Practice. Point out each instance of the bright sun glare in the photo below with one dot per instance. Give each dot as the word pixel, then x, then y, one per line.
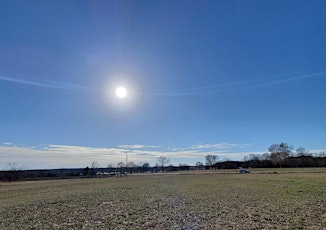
pixel 121 92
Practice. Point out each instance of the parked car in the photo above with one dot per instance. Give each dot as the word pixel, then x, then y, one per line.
pixel 244 171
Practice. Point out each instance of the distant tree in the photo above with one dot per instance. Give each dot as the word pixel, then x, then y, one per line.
pixel 162 161
pixel 199 165
pixel 145 167
pixel 279 152
pixel 13 166
pixel 109 166
pixel 245 158
pixel 94 167
pixel 211 160
pixel 304 158
pixel 225 159
pixel 254 160
pixel 321 154
pixel 301 151
pixel 183 166
pixel 14 172
pixel 86 171
pixel 254 157
pixel 130 166
pixel 265 156
pixel 121 165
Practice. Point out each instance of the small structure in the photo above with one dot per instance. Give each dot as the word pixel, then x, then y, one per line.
pixel 244 170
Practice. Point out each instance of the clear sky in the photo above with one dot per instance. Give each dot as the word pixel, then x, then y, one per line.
pixel 223 77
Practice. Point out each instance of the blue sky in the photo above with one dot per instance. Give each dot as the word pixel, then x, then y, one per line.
pixel 223 77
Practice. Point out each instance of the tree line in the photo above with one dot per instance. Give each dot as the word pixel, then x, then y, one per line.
pixel 278 155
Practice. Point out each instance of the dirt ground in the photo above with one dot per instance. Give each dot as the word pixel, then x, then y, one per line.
pixel 262 200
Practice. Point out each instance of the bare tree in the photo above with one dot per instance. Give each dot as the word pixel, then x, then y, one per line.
pixel 199 165
pixel 245 158
pixel 13 166
pixel 321 154
pixel 95 165
pixel 211 160
pixel 265 156
pixel 162 161
pixel 121 165
pixel 301 151
pixel 110 168
pixel 14 172
pixel 130 166
pixel 94 168
pixel 254 157
pixel 279 152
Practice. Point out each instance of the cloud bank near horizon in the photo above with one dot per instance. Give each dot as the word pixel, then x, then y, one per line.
pixel 69 156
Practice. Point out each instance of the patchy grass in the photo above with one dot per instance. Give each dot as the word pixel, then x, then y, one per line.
pixel 289 170
pixel 198 201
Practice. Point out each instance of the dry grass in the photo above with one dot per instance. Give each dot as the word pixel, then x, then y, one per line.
pixel 198 201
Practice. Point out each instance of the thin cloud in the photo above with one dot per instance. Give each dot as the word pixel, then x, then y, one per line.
pixel 6 143
pixel 51 85
pixel 218 146
pixel 138 146
pixel 68 156
pixel 238 85
pixel 247 84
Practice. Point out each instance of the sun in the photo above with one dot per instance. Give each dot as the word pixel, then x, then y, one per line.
pixel 121 92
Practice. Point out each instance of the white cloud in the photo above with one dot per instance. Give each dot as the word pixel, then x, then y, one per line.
pixel 69 156
pixel 59 156
pixel 6 143
pixel 218 146
pixel 317 150
pixel 138 146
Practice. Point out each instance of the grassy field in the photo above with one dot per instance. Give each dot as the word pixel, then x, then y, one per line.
pixel 196 201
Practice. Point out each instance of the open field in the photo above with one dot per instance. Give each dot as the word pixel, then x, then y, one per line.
pixel 197 201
